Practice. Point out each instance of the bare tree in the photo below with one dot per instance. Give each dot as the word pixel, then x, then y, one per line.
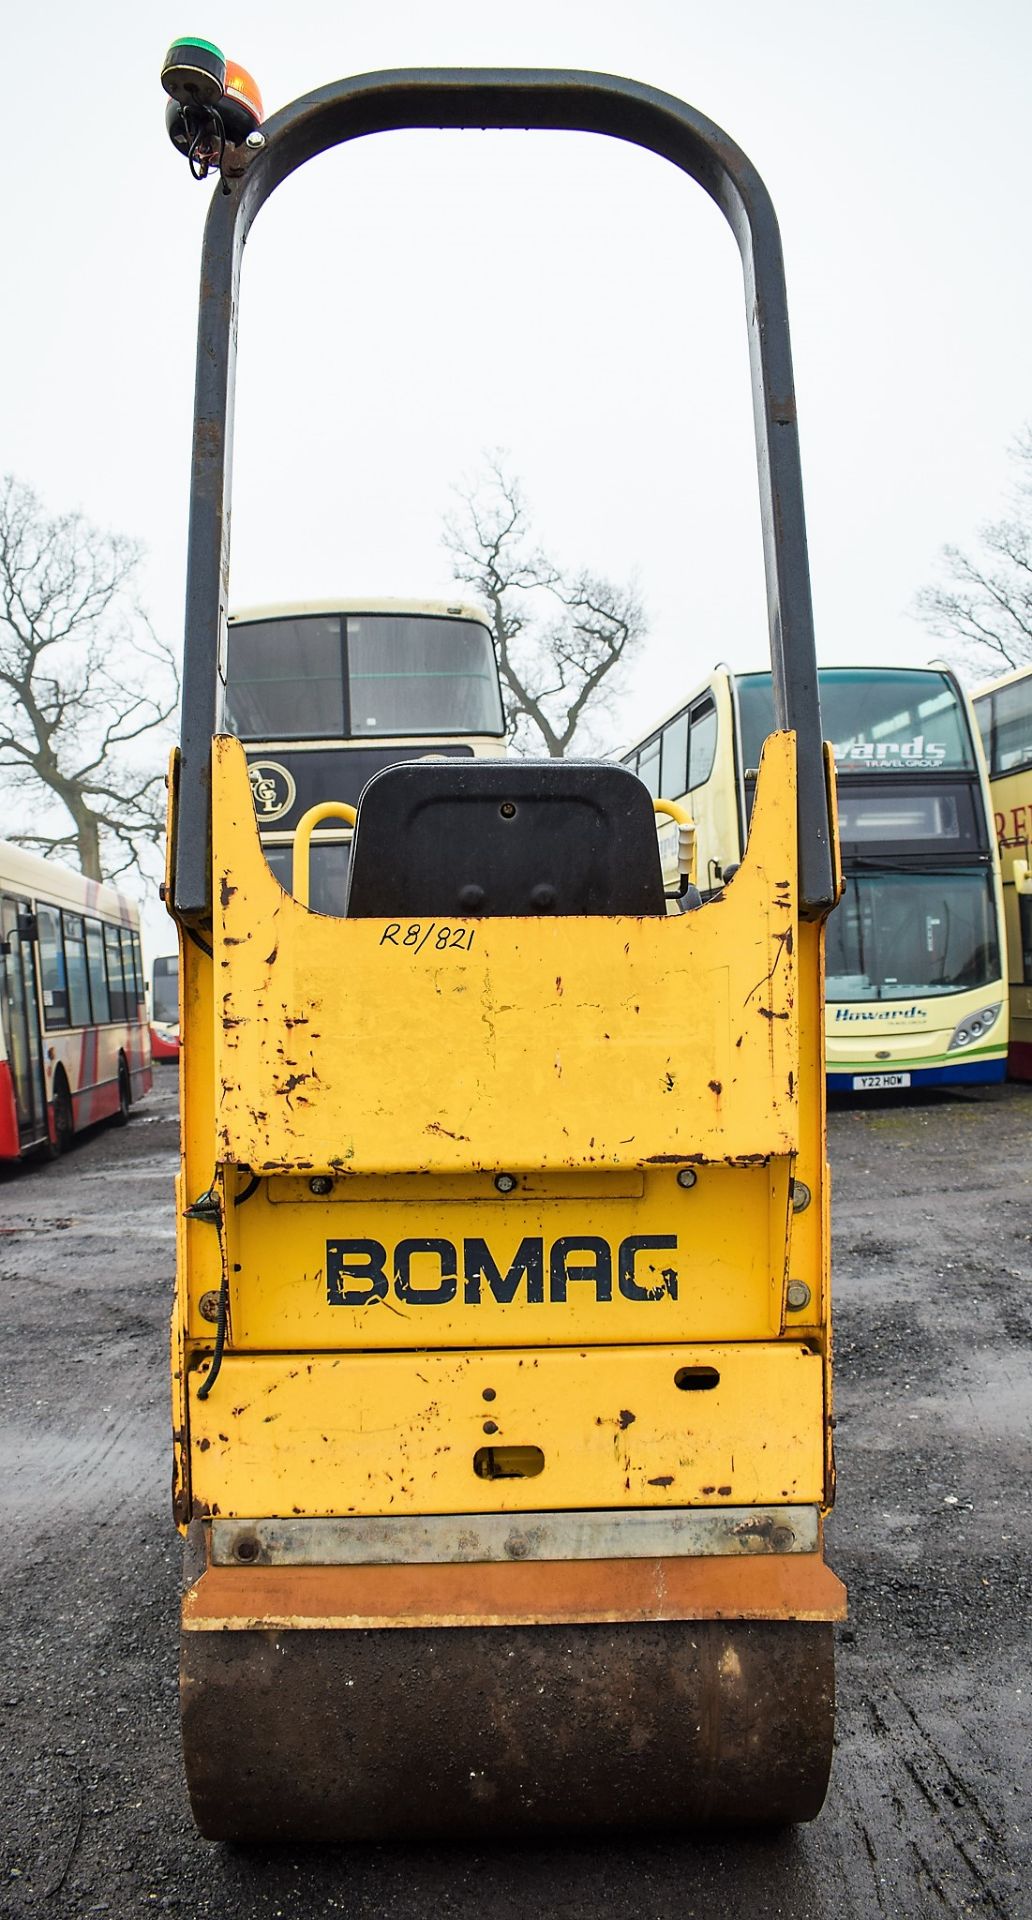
pixel 985 614
pixel 85 688
pixel 560 637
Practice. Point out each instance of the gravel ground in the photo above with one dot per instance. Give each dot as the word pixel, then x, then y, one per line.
pixel 930 1801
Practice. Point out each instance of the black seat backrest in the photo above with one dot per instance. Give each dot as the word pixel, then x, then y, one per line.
pixel 514 837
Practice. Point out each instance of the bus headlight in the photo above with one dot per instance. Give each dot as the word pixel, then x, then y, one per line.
pixel 966 1032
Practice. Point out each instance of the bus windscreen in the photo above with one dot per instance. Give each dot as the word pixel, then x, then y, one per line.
pixel 907 720
pixel 909 934
pixel 358 675
pixel 165 990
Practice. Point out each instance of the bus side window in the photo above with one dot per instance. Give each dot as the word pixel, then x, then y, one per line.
pixel 98 977
pixel 648 766
pixel 132 984
pixel 78 978
pixel 674 766
pixel 52 967
pixel 703 745
pixel 1012 729
pixel 141 984
pixel 116 984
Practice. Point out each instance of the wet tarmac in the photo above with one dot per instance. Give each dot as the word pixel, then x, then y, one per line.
pixel 930 1805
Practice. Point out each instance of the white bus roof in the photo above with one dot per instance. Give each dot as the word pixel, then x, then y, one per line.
pixel 23 873
pixel 1005 680
pixel 724 672
pixel 436 609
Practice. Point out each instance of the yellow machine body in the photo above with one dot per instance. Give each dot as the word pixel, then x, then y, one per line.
pixel 501 1343
pixel 522 1218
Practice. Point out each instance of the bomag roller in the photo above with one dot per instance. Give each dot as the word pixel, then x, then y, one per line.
pixel 501 1339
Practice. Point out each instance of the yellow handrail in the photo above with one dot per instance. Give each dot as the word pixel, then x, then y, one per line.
pixel 325 810
pixel 675 810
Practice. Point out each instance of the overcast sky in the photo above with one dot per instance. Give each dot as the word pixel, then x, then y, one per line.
pixel 416 298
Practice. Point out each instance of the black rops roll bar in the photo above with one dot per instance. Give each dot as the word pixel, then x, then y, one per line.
pixel 517 98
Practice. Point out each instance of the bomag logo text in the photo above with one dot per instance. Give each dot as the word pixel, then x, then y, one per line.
pixel 430 1272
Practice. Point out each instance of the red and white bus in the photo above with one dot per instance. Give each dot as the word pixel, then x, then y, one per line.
pixel 75 1043
pixel 164 1030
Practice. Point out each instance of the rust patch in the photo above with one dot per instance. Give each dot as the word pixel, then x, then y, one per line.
pixel 715 1087
pixel 226 892
pixel 625 1418
pixel 662 1480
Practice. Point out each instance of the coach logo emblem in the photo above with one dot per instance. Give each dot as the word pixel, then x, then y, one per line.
pixel 273 788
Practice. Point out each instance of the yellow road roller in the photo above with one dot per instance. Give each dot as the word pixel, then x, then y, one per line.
pixel 501 1378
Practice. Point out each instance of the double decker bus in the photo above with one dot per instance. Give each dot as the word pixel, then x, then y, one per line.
pixel 1003 709
pixel 915 989
pixel 74 1045
pixel 323 694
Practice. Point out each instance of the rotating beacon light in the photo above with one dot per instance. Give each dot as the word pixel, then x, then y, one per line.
pixel 213 104
pixel 194 73
pixel 240 108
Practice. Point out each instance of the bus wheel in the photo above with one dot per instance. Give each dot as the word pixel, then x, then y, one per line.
pixel 64 1118
pixel 121 1118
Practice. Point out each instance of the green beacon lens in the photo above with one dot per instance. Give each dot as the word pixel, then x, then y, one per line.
pixel 194 73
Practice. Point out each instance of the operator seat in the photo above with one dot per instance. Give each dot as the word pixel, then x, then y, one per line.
pixel 516 837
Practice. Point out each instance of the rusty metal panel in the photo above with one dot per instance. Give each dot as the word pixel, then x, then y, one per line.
pixel 502 1594
pixel 462 1265
pixel 638 1534
pixel 423 1433
pixel 610 1042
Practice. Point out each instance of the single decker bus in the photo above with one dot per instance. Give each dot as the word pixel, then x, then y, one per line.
pixel 1003 710
pixel 165 1035
pixel 74 1046
pixel 915 988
